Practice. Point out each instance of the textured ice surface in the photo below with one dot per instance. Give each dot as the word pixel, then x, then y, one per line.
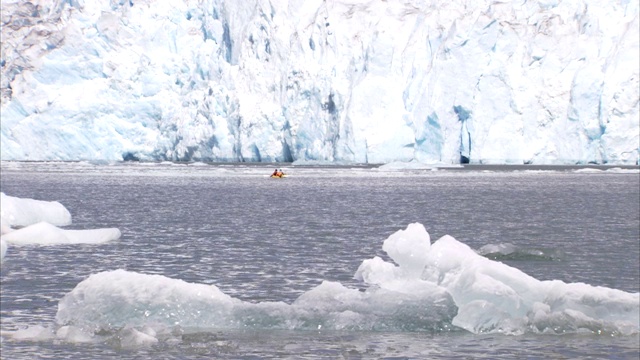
pixel 429 287
pixel 434 81
pixel 44 233
pixel 16 211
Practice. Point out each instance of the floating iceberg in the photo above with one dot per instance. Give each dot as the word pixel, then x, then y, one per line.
pixel 126 338
pixel 3 249
pixel 16 211
pixel 37 221
pixel 44 233
pixel 439 287
pixel 115 299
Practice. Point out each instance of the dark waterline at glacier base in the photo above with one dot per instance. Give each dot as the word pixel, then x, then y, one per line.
pixel 259 239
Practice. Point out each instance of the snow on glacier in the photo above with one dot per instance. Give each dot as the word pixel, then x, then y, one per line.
pixel 346 80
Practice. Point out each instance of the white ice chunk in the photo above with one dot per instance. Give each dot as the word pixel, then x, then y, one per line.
pixel 142 299
pixel 492 296
pixel 376 271
pixel 3 249
pixel 4 229
pixel 409 248
pixel 44 233
pixel 73 334
pixel 32 333
pixel 119 298
pixel 16 211
pixel 434 287
pixel 133 338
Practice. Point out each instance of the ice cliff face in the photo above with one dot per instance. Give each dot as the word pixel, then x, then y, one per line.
pixel 332 80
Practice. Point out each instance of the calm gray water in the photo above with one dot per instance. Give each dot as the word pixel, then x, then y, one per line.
pixel 260 239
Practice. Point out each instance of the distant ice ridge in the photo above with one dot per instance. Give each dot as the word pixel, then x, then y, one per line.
pixel 436 81
pixel 439 287
pixel 37 222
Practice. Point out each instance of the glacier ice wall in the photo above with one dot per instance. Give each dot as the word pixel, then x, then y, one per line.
pixel 436 81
